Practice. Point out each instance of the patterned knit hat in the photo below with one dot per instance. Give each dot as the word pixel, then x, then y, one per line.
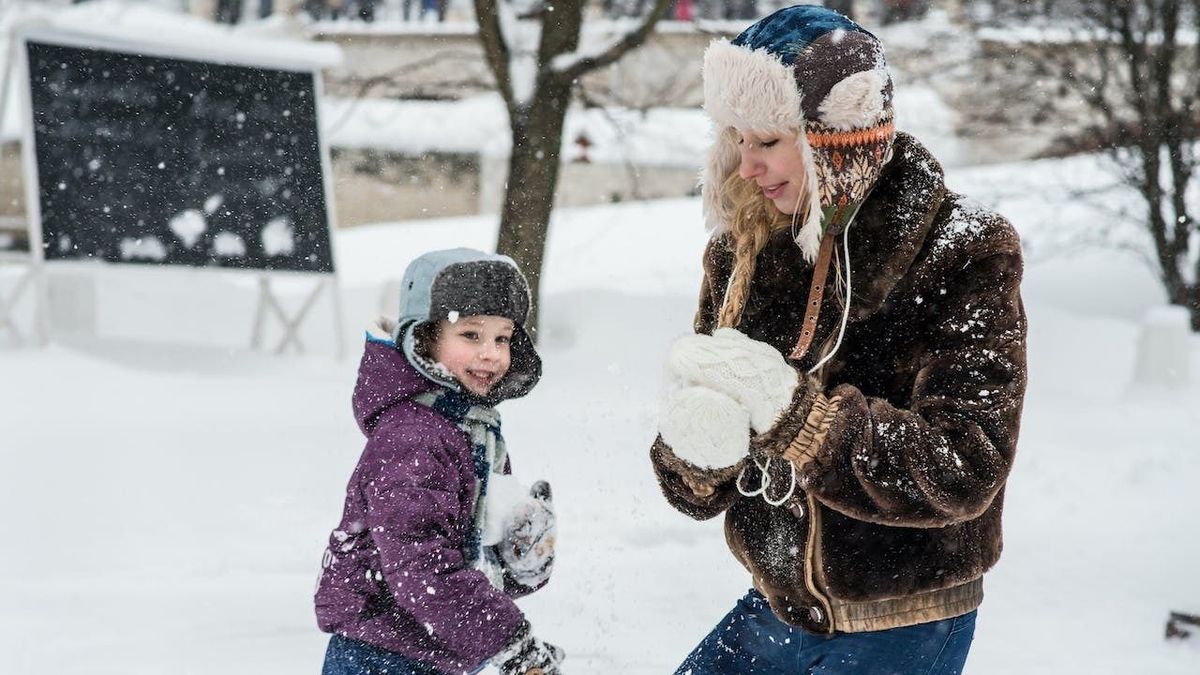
pixel 810 71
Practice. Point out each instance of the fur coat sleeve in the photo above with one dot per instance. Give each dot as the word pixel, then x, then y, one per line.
pixel 670 471
pixel 942 457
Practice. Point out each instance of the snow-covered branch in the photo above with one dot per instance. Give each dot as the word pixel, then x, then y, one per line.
pixel 590 57
pixel 495 48
pixel 521 32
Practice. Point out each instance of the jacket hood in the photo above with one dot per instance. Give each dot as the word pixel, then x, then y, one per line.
pixel 385 377
pixel 812 72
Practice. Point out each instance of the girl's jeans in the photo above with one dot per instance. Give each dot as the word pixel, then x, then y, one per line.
pixel 352 657
pixel 751 640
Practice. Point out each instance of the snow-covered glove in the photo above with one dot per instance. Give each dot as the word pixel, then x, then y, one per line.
pixel 504 495
pixel 750 372
pixel 708 435
pixel 530 532
pixel 527 655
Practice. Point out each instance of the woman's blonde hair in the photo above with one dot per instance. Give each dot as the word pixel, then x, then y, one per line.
pixel 752 220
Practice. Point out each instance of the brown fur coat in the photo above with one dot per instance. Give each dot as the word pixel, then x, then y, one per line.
pixel 899 512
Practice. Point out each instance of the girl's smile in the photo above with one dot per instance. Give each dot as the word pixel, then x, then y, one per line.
pixel 476 350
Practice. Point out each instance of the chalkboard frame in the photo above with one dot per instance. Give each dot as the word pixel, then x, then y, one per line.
pixel 268 304
pixel 72 38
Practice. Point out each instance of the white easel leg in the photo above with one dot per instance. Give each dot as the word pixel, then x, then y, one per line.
pixel 260 312
pixel 335 291
pixel 268 303
pixel 8 305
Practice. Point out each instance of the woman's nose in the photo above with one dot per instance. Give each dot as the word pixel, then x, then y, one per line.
pixel 749 167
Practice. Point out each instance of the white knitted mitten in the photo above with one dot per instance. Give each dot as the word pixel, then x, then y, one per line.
pixel 705 428
pixel 753 373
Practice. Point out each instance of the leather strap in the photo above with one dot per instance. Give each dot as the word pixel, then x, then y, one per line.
pixel 816 293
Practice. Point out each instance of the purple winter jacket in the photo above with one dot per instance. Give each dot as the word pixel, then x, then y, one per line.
pixel 394 573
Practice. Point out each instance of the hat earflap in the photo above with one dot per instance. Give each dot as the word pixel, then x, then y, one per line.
pixel 722 160
pixel 809 236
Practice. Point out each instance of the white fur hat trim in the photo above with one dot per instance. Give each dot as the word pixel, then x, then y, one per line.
pixel 856 102
pixel 749 90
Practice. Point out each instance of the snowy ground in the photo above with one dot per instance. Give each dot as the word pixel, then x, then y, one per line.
pixel 166 494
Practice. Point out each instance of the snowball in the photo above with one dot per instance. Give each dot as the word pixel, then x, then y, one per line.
pixel 278 237
pixel 144 248
pixel 228 245
pixel 188 226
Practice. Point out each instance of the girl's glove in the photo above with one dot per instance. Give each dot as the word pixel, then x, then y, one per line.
pixel 530 531
pixel 527 655
pixel 752 373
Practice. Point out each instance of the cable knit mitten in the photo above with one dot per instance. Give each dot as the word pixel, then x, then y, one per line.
pixel 752 373
pixel 527 655
pixel 707 430
pixel 801 428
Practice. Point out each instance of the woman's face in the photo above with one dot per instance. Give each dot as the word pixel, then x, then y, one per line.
pixel 775 164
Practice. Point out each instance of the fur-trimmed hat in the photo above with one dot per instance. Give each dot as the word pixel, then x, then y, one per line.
pixel 813 72
pixel 462 282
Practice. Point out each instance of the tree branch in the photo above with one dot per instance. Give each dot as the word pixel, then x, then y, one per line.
pixel 631 171
pixel 631 40
pixel 494 49
pixel 561 25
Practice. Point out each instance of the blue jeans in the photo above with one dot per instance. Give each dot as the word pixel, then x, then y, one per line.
pixel 352 657
pixel 751 640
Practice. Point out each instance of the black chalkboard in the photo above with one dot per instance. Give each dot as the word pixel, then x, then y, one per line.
pixel 173 161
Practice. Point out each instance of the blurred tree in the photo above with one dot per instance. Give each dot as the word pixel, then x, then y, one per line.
pixel 228 11
pixel 903 10
pixel 1138 71
pixel 533 49
pixel 846 7
pixel 1005 11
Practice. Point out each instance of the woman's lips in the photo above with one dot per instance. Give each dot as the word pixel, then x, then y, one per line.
pixel 774 191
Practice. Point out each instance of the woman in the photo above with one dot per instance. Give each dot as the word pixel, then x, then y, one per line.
pixel 852 397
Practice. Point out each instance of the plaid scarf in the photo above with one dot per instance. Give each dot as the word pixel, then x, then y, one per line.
pixel 481 425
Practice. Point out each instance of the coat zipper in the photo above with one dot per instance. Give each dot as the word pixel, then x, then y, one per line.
pixel 812 560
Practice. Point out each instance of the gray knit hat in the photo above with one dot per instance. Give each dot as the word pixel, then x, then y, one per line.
pixel 464 282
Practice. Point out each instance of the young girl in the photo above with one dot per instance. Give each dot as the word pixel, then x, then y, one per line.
pixel 420 576
pixel 852 399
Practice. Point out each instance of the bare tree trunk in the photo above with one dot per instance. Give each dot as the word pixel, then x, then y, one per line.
pixel 1141 81
pixel 537 123
pixel 228 11
pixel 845 7
pixel 533 170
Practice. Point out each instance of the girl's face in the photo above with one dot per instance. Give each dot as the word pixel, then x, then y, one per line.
pixel 475 349
pixel 775 164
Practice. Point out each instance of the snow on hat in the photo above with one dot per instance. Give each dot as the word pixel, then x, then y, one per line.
pixel 810 71
pixel 462 282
